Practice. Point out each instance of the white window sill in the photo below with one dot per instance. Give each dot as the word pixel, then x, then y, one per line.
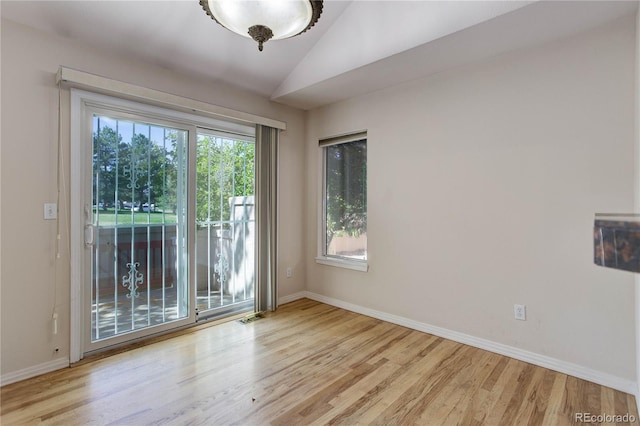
pixel 356 265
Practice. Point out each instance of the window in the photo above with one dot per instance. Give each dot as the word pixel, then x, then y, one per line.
pixel 344 202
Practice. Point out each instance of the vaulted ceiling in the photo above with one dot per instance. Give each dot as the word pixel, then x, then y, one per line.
pixel 356 46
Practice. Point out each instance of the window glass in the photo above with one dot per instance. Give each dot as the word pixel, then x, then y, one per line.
pixel 345 191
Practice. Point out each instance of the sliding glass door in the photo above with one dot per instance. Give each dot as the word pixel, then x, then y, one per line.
pixel 225 223
pixel 163 220
pixel 137 227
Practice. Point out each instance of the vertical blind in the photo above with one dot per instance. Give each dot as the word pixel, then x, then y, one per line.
pixel 266 217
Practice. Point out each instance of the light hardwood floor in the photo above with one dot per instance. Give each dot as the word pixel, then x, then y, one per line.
pixel 307 363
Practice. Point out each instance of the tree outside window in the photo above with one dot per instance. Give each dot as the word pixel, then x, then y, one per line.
pixel 346 200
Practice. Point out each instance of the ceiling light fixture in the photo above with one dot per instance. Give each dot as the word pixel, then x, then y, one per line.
pixel 264 20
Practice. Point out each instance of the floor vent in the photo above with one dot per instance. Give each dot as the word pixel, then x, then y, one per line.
pixel 252 317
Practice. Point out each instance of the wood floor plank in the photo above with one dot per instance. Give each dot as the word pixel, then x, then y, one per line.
pixel 465 395
pixel 539 398
pixel 556 413
pixel 529 398
pixel 390 389
pixel 501 393
pixel 430 383
pixel 306 364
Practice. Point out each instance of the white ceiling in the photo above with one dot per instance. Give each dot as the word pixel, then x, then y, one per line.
pixel 356 46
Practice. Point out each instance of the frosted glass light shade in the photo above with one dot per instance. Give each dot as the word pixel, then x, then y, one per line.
pixel 284 18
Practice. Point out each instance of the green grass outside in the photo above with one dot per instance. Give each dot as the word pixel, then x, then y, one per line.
pixel 126 217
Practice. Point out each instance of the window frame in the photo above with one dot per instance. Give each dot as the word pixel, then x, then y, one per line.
pixel 322 257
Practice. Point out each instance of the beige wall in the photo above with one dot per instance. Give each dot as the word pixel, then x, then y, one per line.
pixel 33 281
pixel 482 187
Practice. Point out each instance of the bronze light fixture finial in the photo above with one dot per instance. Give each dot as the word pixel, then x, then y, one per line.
pixel 264 20
pixel 261 34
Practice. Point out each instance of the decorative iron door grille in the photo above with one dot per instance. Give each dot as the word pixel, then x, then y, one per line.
pixel 139 191
pixel 225 223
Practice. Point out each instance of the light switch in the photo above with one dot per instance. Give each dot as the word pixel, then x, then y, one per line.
pixel 50 211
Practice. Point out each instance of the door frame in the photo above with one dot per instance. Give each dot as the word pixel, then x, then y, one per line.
pixel 82 104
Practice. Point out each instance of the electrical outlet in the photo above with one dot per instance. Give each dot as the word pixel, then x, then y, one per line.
pixel 50 211
pixel 520 312
pixel 289 272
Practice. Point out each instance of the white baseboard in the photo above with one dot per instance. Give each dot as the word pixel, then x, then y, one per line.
pixel 292 297
pixel 564 367
pixel 36 370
